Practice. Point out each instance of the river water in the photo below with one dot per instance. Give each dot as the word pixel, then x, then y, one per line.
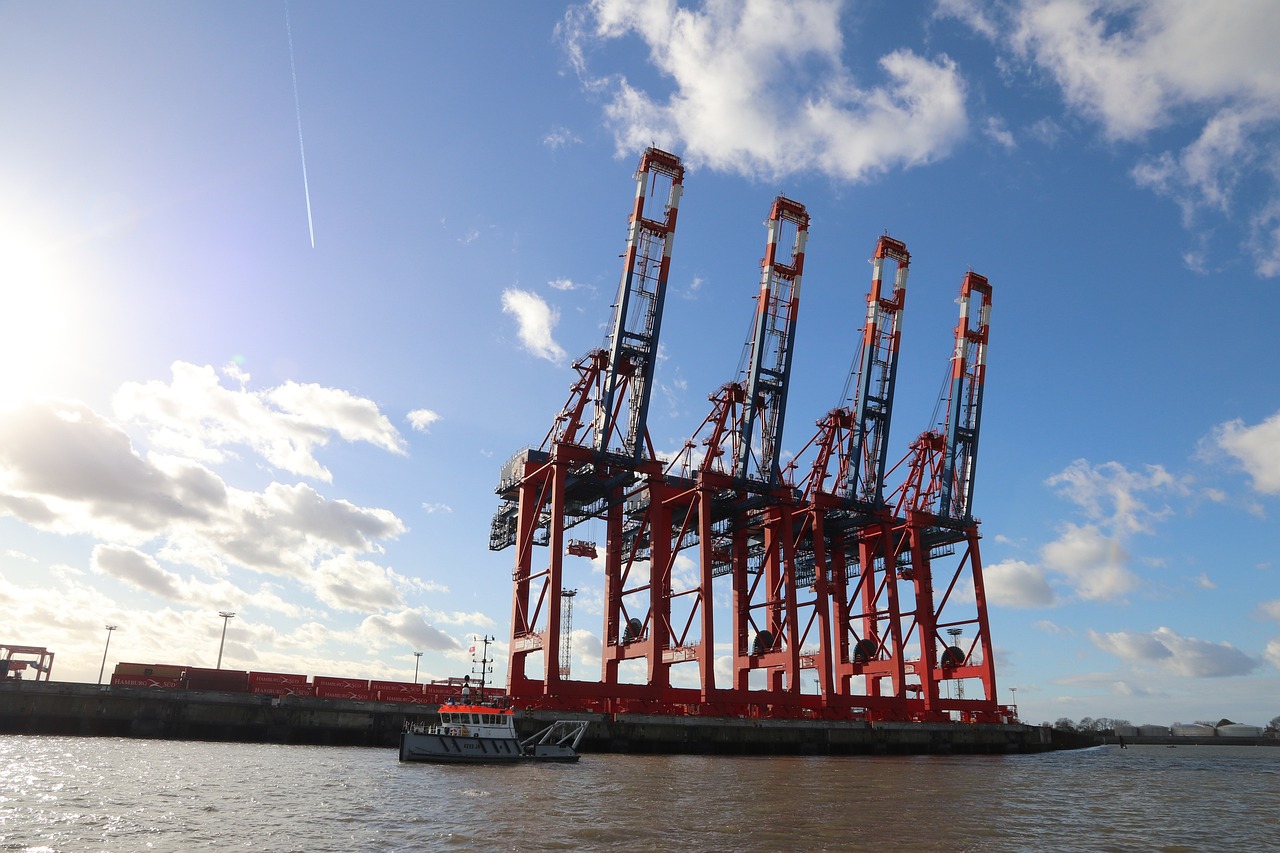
pixel 88 794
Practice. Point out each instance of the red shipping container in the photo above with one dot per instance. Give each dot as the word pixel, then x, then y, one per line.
pixel 276 678
pixel 395 687
pixel 329 681
pixel 343 693
pixel 145 681
pixel 225 680
pixel 282 689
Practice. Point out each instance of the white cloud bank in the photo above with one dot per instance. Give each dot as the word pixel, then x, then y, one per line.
pixel 1166 650
pixel 760 88
pixel 67 469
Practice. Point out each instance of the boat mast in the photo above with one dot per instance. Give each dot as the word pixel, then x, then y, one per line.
pixel 484 662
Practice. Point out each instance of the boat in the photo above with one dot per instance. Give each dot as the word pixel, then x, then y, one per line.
pixel 484 732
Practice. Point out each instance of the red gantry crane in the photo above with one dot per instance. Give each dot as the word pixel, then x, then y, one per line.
pixel 839 574
pixel 593 452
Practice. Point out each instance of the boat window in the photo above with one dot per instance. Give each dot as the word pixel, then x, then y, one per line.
pixel 475 718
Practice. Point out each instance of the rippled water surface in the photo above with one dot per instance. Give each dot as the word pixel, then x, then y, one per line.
pixel 73 794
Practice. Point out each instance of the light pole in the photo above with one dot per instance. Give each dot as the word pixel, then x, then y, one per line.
pixel 226 615
pixel 103 668
pixel 417 659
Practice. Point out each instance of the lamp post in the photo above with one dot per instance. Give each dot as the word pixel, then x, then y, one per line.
pixel 103 668
pixel 226 615
pixel 417 659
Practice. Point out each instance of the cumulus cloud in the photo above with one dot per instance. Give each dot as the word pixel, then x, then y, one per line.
pixel 760 88
pixel 537 321
pixel 1256 448
pixel 66 469
pixel 1110 493
pixel 1093 563
pixel 422 419
pixel 1166 650
pixel 1014 583
pixel 406 628
pixel 346 583
pixel 195 416
pixel 1272 653
pixel 1118 503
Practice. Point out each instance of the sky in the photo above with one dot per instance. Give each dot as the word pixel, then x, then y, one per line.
pixel 283 285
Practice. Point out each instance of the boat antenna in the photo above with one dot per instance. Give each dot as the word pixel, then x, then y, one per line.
pixel 483 663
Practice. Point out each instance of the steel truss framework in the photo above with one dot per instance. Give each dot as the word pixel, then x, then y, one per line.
pixel 875 596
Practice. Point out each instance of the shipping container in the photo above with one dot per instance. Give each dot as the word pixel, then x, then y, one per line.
pixel 163 670
pixel 282 689
pixel 395 687
pixel 332 681
pixel 145 681
pixel 343 693
pixel 223 680
pixel 276 678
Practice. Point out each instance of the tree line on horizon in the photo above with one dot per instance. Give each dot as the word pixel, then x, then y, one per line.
pixel 1108 726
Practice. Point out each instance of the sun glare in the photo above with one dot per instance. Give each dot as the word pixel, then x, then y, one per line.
pixel 38 341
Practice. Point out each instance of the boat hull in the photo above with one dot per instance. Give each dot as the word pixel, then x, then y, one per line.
pixel 457 749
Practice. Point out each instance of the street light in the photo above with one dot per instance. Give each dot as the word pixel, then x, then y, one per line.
pixel 417 659
pixel 103 668
pixel 226 616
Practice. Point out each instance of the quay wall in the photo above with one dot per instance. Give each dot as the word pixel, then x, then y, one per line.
pixel 67 708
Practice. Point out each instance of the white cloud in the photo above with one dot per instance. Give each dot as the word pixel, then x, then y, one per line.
pixel 137 569
pixel 1206 172
pixel 422 419
pixel 1141 66
pixel 1108 493
pixel 997 132
pixel 346 583
pixel 560 137
pixel 1127 64
pixel 1264 238
pixel 405 628
pixel 1167 650
pixel 562 284
pixel 1014 583
pixel 537 321
pixel 1272 653
pixel 66 469
pixel 1271 609
pixel 197 417
pixel 759 88
pixel 1093 563
pixel 1256 448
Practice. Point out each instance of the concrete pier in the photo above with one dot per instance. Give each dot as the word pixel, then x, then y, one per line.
pixel 67 708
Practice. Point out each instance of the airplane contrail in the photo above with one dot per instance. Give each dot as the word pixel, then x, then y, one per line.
pixel 297 108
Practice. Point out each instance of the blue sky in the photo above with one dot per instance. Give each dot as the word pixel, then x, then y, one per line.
pixel 202 411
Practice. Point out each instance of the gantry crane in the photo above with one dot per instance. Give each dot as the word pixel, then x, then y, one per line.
pixel 573 476
pixel 844 498
pixel 835 573
pixel 730 501
pixel 933 508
